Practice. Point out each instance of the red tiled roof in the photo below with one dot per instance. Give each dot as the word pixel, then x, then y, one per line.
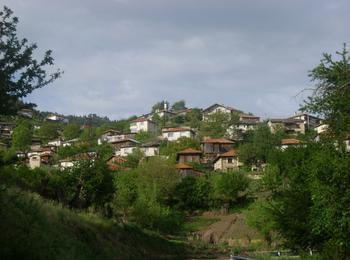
pixel 141 119
pixel 190 151
pixel 217 140
pixel 290 141
pixel 231 153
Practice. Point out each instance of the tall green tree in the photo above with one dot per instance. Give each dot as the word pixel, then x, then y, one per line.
pixel 216 124
pixel 48 131
pixel 331 95
pixel 179 105
pixel 20 72
pixel 22 137
pixel 71 131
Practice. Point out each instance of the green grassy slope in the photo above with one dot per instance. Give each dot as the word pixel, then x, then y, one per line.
pixel 31 228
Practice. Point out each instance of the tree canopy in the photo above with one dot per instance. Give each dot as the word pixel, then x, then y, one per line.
pixel 330 97
pixel 20 72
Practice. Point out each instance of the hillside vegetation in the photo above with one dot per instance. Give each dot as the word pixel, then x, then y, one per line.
pixel 32 228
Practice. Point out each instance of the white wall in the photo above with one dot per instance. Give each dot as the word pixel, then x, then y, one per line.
pixel 173 136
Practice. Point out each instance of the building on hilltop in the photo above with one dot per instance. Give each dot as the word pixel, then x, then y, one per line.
pixel 142 124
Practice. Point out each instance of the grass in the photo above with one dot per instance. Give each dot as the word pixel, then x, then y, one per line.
pixel 33 228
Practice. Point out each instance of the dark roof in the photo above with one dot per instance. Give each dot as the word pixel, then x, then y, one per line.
pixel 176 129
pixel 217 140
pixel 218 105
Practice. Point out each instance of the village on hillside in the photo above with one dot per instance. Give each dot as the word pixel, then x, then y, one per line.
pixel 150 134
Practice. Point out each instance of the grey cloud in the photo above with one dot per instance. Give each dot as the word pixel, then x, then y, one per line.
pixel 122 56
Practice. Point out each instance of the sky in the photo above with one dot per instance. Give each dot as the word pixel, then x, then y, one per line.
pixel 120 57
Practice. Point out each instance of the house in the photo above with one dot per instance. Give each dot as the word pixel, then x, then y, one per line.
pixel 25 112
pixel 187 170
pixel 183 112
pixel 112 136
pixel 288 125
pixel 150 149
pixel 34 160
pixel 299 123
pixel 218 108
pixel 309 122
pixel 321 128
pixel 142 124
pixel 115 162
pixel 164 113
pixel 76 159
pixel 189 155
pixel 56 118
pixel 214 146
pixel 40 156
pixel 227 161
pixel 6 129
pixel 128 142
pixel 288 142
pixel 174 133
pixel 70 142
pixel 347 143
pixel 36 144
pixel 246 122
pixel 56 142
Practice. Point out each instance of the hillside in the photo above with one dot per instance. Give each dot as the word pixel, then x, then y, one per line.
pixel 32 228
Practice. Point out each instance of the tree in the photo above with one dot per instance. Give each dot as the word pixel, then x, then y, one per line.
pixel 258 145
pixel 194 117
pixel 48 131
pixel 71 131
pixel 22 137
pixel 330 97
pixel 20 73
pixel 227 187
pixel 160 106
pixel 216 124
pixel 179 105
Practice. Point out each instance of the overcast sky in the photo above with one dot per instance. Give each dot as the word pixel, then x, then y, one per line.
pixel 122 56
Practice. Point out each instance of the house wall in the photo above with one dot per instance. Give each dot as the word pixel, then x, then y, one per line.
pixel 216 148
pixel 146 126
pixel 34 161
pixel 150 151
pixel 224 164
pixel 124 151
pixel 173 136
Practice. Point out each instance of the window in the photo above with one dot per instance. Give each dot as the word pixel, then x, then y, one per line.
pixel 170 134
pixel 229 160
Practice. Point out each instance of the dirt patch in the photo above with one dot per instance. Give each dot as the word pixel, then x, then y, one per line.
pixel 231 229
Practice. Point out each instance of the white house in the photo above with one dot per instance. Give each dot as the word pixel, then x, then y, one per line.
pixel 227 161
pixel 34 160
pixel 142 124
pixel 57 142
pixel 172 134
pixel 124 151
pixel 57 118
pixel 321 128
pixel 150 149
